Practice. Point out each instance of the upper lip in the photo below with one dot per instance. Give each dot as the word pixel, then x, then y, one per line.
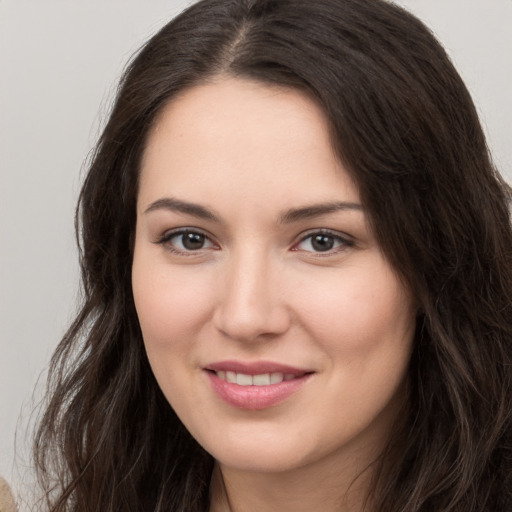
pixel 255 368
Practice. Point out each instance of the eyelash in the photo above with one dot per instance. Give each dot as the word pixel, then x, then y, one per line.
pixel 342 241
pixel 168 236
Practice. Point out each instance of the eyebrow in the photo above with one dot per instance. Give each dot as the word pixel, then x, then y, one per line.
pixel 175 205
pixel 316 210
pixel 288 217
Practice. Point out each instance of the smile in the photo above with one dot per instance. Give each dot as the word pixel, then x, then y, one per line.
pixel 255 386
pixel 262 379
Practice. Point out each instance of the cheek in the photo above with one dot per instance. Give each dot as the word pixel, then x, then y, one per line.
pixel 172 306
pixel 358 310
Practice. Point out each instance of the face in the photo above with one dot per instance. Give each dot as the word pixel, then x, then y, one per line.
pixel 273 323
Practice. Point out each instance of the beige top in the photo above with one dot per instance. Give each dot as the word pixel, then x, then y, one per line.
pixel 6 498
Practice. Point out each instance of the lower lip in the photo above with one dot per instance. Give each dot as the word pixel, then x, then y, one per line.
pixel 255 397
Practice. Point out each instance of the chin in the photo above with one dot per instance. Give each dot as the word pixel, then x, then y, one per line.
pixel 259 461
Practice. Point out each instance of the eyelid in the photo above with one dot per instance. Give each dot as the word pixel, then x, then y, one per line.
pixel 171 233
pixel 346 241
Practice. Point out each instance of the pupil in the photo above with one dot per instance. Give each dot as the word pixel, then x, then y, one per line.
pixel 322 242
pixel 193 241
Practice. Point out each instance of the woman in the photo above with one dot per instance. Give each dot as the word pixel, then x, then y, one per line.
pixel 296 260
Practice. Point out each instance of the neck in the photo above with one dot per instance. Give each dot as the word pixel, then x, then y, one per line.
pixel 301 490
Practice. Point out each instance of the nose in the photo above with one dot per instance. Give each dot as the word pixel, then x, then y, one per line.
pixel 251 302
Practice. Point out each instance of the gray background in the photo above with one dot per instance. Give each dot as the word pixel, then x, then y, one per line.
pixel 59 61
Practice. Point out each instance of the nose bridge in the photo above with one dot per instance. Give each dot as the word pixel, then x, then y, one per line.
pixel 251 304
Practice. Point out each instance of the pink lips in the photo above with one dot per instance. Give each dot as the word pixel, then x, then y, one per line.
pixel 255 397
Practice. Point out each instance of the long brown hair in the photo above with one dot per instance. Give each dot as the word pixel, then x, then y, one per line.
pixel 406 128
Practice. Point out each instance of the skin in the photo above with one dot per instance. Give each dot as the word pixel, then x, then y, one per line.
pixel 258 289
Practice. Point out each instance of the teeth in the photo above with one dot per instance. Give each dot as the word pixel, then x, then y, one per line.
pixel 261 380
pixel 243 380
pixel 264 379
pixel 276 378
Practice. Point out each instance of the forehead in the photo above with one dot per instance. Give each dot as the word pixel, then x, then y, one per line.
pixel 236 137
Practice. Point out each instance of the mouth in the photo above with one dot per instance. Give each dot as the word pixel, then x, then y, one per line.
pixel 255 386
pixel 261 379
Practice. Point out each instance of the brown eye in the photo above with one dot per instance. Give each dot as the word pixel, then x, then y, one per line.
pixel 323 242
pixel 186 241
pixel 193 241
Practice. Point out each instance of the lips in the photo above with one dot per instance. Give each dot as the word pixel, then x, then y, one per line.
pixel 257 385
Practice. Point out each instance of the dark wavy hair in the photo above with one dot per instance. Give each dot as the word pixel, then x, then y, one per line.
pixel 406 129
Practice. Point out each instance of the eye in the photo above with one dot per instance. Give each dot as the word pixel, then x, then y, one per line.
pixel 323 242
pixel 186 241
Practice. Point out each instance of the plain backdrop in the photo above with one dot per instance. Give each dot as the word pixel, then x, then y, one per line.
pixel 59 61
